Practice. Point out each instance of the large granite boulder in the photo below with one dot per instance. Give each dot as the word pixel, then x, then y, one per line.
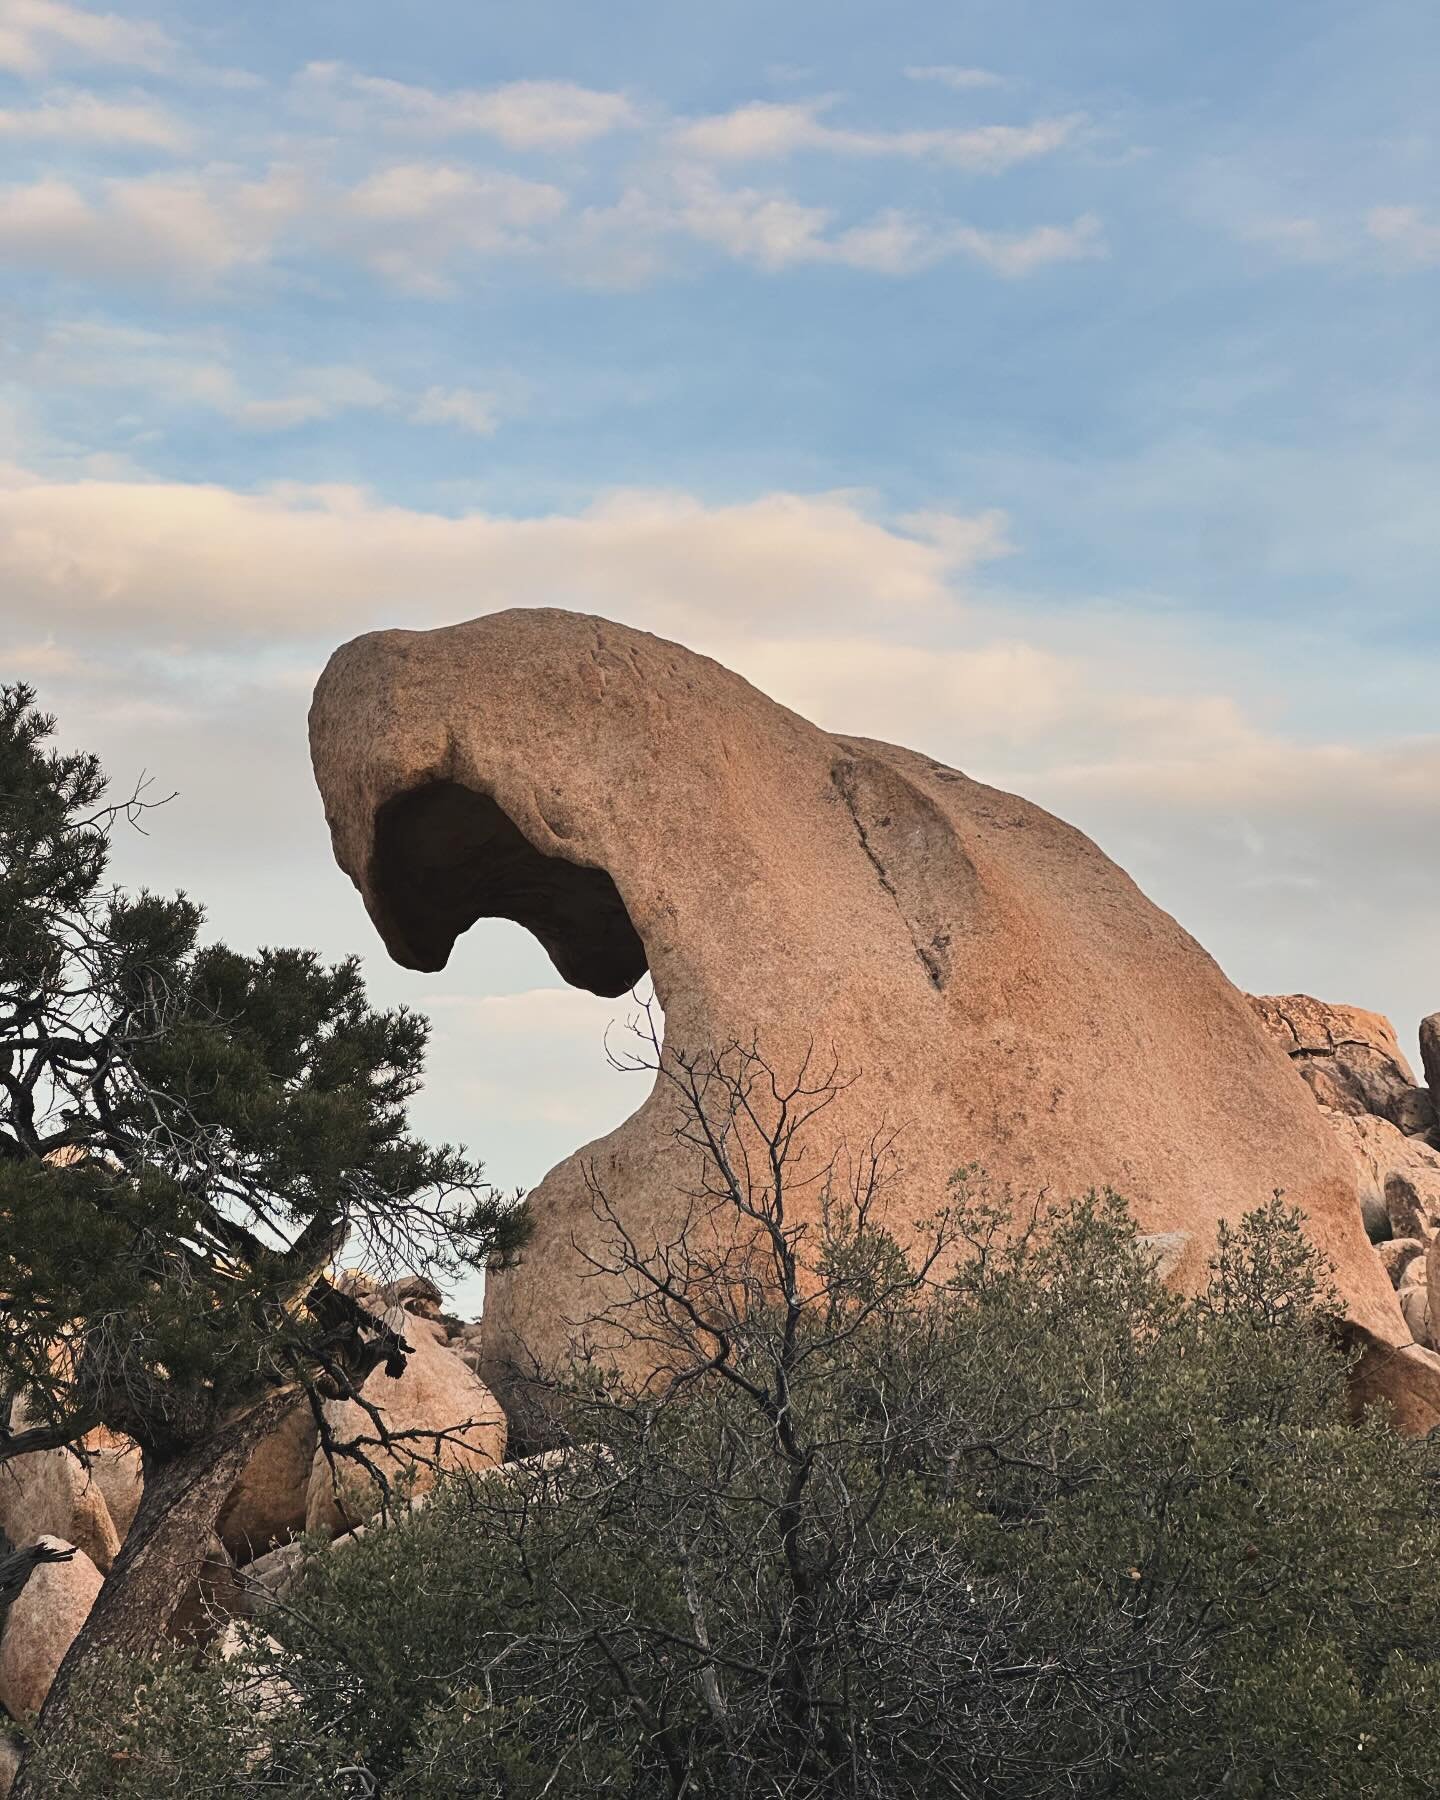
pixel 43 1621
pixel 993 983
pixel 449 1420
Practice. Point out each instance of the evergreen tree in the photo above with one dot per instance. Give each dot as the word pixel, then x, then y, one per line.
pixel 189 1136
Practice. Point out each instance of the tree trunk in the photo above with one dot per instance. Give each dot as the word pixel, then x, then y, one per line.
pixel 152 1574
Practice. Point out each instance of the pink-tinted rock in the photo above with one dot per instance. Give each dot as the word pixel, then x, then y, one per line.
pixel 1401 1174
pixel 1398 1256
pixel 116 1469
pixel 50 1493
pixel 42 1623
pixel 458 1421
pixel 989 978
pixel 1350 1058
pixel 266 1506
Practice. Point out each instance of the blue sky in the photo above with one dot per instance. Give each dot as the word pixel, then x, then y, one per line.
pixel 1052 387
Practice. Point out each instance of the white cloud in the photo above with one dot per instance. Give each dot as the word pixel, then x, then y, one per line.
pixel 952 76
pixel 194 226
pixel 161 561
pixel 1406 231
pixel 773 129
pixel 76 118
pixel 522 115
pixel 37 34
pixel 775 231
pixel 171 371
pixel 1406 237
pixel 466 408
pixel 412 222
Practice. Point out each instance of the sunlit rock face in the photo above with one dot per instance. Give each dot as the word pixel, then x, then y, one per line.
pixel 996 986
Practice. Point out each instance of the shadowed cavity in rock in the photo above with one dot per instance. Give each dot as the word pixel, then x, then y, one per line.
pixel 446 856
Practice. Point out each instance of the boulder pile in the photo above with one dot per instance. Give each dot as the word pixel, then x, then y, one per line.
pixel 1390 1126
pixel 83 1505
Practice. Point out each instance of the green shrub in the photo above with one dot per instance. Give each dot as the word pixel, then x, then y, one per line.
pixel 1040 1528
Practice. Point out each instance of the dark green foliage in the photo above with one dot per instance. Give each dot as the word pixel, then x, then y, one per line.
pixel 1041 1529
pixel 188 1137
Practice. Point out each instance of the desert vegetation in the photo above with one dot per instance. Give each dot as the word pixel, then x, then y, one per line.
pixel 997 1516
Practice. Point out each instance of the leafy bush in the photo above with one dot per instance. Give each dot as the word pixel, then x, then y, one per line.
pixel 1038 1528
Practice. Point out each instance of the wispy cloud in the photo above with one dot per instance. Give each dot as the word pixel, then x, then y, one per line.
pixel 1407 232
pixel 465 408
pixel 522 115
pixel 769 130
pixel 192 226
pixel 774 231
pixel 37 35
pixel 950 75
pixel 80 118
pixel 199 372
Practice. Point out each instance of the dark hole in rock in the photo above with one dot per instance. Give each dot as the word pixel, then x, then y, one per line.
pixel 446 856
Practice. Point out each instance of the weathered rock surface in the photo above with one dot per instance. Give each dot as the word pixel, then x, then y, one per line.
pixel 1350 1058
pixel 1430 1054
pixel 458 1421
pixel 266 1506
pixel 116 1469
pixel 984 972
pixel 42 1623
pixel 1396 1256
pixel 50 1493
pixel 9 1764
pixel 1398 1174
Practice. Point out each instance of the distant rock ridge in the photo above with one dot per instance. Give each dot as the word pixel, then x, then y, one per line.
pixel 993 982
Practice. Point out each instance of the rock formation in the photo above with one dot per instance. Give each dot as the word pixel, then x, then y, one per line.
pixel 1352 1063
pixel 994 984
pixel 41 1624
pixel 438 1395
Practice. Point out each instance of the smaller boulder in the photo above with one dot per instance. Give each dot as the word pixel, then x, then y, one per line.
pixel 43 1621
pixel 1395 1173
pixel 1398 1257
pixel 1430 1054
pixel 1414 1112
pixel 10 1753
pixel 266 1506
pixel 51 1493
pixel 452 1418
pixel 116 1468
pixel 1350 1058
pixel 1415 1304
pixel 272 1578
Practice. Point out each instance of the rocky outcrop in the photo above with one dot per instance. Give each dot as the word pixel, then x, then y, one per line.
pixel 1350 1059
pixel 115 1468
pixel 442 1414
pixel 41 1624
pixel 438 1396
pixel 991 981
pixel 1430 1055
pixel 1352 1062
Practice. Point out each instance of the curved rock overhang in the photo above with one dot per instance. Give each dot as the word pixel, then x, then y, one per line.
pixel 445 856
